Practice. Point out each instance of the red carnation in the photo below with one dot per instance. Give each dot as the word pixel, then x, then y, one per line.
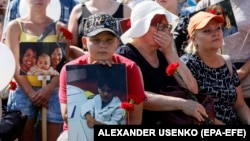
pixel 172 68
pixel 127 106
pixel 12 85
pixel 66 33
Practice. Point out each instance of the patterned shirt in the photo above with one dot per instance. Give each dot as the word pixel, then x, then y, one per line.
pixel 218 83
pixel 180 34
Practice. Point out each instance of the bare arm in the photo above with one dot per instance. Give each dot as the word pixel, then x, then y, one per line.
pixel 244 70
pixel 157 102
pixel 183 71
pixel 241 107
pixel 136 116
pixel 64 112
pixel 75 52
pixel 73 23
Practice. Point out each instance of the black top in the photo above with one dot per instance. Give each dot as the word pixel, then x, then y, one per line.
pixel 154 78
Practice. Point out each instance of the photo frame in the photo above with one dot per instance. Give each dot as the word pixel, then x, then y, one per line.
pixel 42 58
pixel 86 87
pixel 223 8
pixel 125 24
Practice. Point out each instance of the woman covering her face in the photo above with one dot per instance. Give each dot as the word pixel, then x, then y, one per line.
pixel 149 44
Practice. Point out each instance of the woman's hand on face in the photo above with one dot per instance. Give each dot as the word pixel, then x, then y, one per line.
pixel 163 39
pixel 104 62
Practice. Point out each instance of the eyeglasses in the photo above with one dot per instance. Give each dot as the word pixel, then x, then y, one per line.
pixel 163 27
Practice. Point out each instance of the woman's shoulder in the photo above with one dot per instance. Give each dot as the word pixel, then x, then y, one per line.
pixel 117 58
pixel 128 47
pixel 127 50
pixel 14 26
pixel 15 22
pixel 77 8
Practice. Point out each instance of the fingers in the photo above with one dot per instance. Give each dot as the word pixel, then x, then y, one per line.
pixel 196 110
pixel 104 62
pixel 163 39
pixel 200 113
pixel 38 101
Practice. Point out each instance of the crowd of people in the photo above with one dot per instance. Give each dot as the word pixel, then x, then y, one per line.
pixel 159 33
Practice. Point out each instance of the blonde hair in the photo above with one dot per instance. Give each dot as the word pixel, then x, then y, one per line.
pixel 191 48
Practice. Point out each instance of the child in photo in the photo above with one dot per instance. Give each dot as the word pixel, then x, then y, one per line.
pixel 43 66
pixel 104 108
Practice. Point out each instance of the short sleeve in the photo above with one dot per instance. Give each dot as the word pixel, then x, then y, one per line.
pixel 135 83
pixel 62 86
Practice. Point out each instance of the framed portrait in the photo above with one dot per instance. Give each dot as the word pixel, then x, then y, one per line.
pixel 94 92
pixel 224 9
pixel 42 58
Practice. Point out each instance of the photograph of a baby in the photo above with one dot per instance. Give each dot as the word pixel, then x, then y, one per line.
pixel 42 58
pixel 43 66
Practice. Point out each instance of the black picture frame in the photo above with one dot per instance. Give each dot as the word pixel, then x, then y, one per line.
pixel 42 48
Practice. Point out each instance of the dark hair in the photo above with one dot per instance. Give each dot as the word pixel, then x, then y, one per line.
pixel 108 82
pixel 63 61
pixel 24 49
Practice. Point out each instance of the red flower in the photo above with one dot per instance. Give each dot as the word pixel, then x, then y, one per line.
pixel 12 85
pixel 212 11
pixel 67 34
pixel 127 106
pixel 172 68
